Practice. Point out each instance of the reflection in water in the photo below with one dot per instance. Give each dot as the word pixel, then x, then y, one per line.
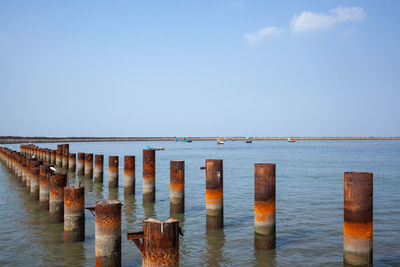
pixel 81 179
pixel 215 222
pixel 74 253
pixel 88 185
pixel 129 208
pixel 181 218
pixel 264 257
pixel 149 211
pixel 113 193
pixel 98 190
pixel 71 178
pixel 215 239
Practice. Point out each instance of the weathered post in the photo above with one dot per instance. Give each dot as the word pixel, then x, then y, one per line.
pixel 264 206
pixel 129 174
pixel 44 187
pixel 34 183
pixel 56 197
pixel 98 168
pixel 65 155
pixel 358 223
pixel 88 165
pixel 160 245
pixel 71 162
pixel 214 193
pixel 177 187
pixel 59 156
pixel 113 171
pixel 81 164
pixel 149 175
pixel 108 233
pixel 74 213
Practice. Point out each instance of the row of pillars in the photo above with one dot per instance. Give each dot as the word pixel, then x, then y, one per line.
pixel 71 205
pixel 358 224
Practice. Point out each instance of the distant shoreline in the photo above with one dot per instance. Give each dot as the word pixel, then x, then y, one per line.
pixel 24 139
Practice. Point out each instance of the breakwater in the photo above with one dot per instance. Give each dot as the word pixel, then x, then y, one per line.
pixel 42 139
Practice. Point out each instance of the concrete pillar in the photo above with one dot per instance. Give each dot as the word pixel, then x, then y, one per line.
pixel 108 233
pixel 88 165
pixel 56 197
pixel 149 175
pixel 81 164
pixel 160 245
pixel 214 193
pixel 59 156
pixel 44 188
pixel 65 156
pixel 71 162
pixel 113 171
pixel 264 206
pixel 177 187
pixel 358 223
pixel 129 174
pixel 98 168
pixel 74 213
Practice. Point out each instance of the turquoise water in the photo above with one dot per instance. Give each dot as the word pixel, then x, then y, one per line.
pixel 309 216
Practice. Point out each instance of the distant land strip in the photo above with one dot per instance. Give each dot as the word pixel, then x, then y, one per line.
pixel 40 139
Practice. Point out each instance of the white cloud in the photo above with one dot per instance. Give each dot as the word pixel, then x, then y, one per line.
pixel 309 21
pixel 260 35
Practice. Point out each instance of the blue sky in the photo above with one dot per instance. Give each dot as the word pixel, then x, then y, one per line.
pixel 200 68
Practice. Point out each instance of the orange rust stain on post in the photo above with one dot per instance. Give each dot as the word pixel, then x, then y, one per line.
pixel 98 168
pixel 113 171
pixel 358 222
pixel 160 245
pixel 88 165
pixel 74 213
pixel 264 205
pixel 129 174
pixel 214 193
pixel 149 175
pixel 81 164
pixel 177 187
pixel 56 200
pixel 108 232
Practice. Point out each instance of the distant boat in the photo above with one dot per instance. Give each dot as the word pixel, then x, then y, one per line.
pixel 291 140
pixel 249 141
pixel 220 141
pixel 155 148
pixel 182 139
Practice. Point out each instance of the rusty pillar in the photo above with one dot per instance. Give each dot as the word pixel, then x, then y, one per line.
pixel 177 187
pixel 98 168
pixel 44 187
pixel 214 193
pixel 149 175
pixel 71 162
pixel 81 164
pixel 59 156
pixel 23 170
pixel 65 156
pixel 160 245
pixel 264 206
pixel 358 223
pixel 48 155
pixel 35 183
pixel 129 174
pixel 74 213
pixel 28 174
pixel 56 197
pixel 108 233
pixel 113 171
pixel 53 157
pixel 88 165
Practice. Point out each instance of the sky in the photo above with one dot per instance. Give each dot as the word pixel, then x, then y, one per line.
pixel 200 68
